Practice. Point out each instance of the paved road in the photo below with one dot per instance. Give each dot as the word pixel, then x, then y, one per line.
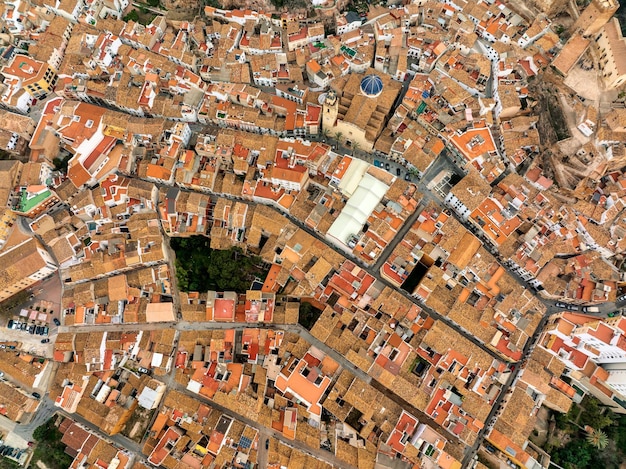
pixel 44 412
pixel 238 326
pixel 170 256
pixel 261 455
pixel 492 417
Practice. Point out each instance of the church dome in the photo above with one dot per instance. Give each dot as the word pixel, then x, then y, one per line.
pixel 371 85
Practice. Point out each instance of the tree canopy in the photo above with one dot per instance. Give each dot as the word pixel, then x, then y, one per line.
pixel 574 455
pixel 200 268
pixel 309 314
pixel 49 448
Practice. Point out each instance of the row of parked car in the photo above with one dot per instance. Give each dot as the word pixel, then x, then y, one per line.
pixel 387 167
pixel 10 452
pixel 30 328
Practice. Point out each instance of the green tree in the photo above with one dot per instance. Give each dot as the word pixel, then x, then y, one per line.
pixel 597 438
pixel 49 448
pixel 574 455
pixel 338 136
pixel 308 315
pixel 42 433
pixel 226 269
pixel 200 268
pixel 132 15
pixel 355 147
pixel 8 463
pixel 594 415
pixel 182 276
pixel 414 172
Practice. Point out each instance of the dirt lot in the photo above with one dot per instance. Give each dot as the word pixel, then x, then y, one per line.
pixel 585 83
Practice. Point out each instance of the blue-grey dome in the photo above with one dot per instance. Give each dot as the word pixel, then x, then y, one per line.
pixel 371 85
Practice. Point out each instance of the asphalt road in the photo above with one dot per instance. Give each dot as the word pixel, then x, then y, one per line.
pixel 44 412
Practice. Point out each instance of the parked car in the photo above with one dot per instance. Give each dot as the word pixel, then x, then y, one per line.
pixel 46 329
pixel 387 166
pixel 45 341
pixel 267 443
pixel 143 370
pixel 572 307
pixel 31 329
pixel 38 330
pixel 24 326
pixel 56 322
pixel 558 304
pixel 1 374
pixel 398 172
pixel 621 298
pixel 591 309
pixel 407 177
pixel 36 395
pixel 10 324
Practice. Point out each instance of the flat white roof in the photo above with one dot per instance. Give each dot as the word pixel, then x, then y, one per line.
pixel 352 177
pixel 368 194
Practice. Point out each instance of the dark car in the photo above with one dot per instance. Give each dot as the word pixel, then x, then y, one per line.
pixel 36 395
pixel 267 443
pixel 45 341
pixel 24 326
pixel 387 166
pixel 31 329
pixel 10 324
pixel 397 171
pixel 56 322
pixel 407 177
pixel 38 330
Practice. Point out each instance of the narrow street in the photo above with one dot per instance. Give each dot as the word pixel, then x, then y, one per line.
pixel 265 431
pixel 261 458
pixel 368 268
pixel 47 408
